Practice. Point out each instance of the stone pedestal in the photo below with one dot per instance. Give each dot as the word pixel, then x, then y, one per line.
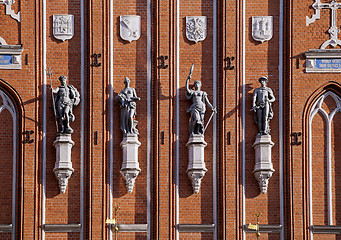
pixel 130 165
pixel 63 165
pixel 196 166
pixel 263 167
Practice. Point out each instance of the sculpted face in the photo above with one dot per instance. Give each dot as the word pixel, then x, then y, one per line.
pixel 62 80
pixel 126 81
pixel 197 84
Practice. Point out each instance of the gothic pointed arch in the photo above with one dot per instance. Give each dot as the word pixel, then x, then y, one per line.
pixel 321 141
pixel 11 123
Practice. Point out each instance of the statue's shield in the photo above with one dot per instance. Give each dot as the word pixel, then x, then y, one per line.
pixel 63 27
pixel 262 28
pixel 196 28
pixel 130 27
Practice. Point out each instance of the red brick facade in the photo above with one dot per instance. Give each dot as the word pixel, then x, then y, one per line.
pixel 297 198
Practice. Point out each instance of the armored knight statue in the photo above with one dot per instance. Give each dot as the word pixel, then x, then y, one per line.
pixel 263 97
pixel 198 108
pixel 127 100
pixel 65 98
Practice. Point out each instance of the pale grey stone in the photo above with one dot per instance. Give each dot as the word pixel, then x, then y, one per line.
pixel 63 165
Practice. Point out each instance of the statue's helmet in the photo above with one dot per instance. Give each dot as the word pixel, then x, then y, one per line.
pixel 126 80
pixel 197 82
pixel 264 78
pixel 62 77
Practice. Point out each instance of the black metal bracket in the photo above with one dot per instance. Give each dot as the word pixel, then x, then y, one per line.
pixel 28 136
pixel 295 140
pixel 228 61
pixel 163 59
pixel 95 62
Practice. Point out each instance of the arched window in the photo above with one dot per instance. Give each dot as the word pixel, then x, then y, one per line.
pixel 8 167
pixel 325 161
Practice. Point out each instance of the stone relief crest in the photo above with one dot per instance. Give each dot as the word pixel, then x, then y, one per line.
pixel 130 27
pixel 262 28
pixel 63 26
pixel 196 28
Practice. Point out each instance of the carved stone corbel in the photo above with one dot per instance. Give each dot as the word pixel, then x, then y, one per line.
pixel 130 165
pixel 196 166
pixel 63 165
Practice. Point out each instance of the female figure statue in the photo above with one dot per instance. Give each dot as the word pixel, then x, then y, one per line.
pixel 198 107
pixel 127 99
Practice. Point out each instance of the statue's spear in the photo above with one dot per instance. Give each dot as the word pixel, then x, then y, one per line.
pixel 49 73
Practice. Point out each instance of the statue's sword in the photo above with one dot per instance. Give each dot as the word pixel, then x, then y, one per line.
pixel 191 71
pixel 209 120
pixel 49 73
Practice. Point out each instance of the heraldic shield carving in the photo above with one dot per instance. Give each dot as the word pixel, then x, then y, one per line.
pixel 262 28
pixel 130 27
pixel 63 27
pixel 196 28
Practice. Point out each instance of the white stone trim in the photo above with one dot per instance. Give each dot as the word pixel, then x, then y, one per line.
pixel 111 114
pixel 317 107
pixel 177 118
pixel 281 117
pixel 149 115
pixel 44 99
pixel 243 114
pixel 83 94
pixel 215 48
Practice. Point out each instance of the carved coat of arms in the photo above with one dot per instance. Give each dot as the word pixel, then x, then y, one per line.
pixel 63 27
pixel 262 28
pixel 130 27
pixel 196 28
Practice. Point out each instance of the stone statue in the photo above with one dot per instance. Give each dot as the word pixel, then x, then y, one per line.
pixel 65 98
pixel 127 99
pixel 198 107
pixel 261 105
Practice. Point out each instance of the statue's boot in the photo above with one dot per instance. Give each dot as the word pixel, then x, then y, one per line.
pixel 68 129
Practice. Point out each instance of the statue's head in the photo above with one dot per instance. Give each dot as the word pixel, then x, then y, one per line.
pixel 126 80
pixel 197 84
pixel 264 78
pixel 62 79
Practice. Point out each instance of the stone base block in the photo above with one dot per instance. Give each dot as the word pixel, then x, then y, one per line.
pixel 130 165
pixel 263 169
pixel 63 165
pixel 196 165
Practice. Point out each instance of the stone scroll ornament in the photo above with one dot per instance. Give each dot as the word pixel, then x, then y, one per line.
pixel 130 166
pixel 262 28
pixel 64 98
pixel 333 30
pixel 196 166
pixel 63 27
pixel 196 28
pixel 130 27
pixel 263 98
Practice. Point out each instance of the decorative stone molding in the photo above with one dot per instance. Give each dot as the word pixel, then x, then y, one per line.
pixel 323 61
pixel 130 165
pixel 263 169
pixel 63 165
pixel 10 56
pixel 196 166
pixel 9 11
pixel 333 30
